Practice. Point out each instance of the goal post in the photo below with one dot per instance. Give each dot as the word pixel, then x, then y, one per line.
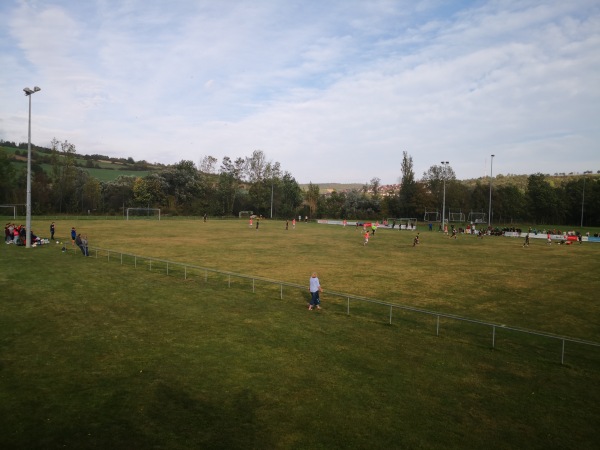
pixel 245 214
pixel 431 216
pixel 142 213
pixel 408 223
pixel 477 217
pixel 14 208
pixel 456 216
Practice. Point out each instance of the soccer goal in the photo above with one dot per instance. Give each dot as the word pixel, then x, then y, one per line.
pixel 245 214
pixel 477 217
pixel 143 213
pixel 431 216
pixel 408 223
pixel 456 216
pixel 14 208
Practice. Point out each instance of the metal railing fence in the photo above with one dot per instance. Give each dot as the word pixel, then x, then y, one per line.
pixel 187 270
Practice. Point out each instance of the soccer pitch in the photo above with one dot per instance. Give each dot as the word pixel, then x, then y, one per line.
pixel 97 354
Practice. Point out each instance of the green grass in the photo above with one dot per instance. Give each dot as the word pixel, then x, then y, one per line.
pixel 95 354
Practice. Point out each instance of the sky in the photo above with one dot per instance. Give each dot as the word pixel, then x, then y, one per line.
pixel 333 90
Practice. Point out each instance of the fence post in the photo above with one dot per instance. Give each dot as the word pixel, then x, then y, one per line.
pixel 167 268
pixel 150 265
pixel 281 292
pixel 493 336
pixel 253 285
pixel 185 272
pixel 229 281
pixel 562 356
pixel 135 262
pixel 108 257
pixel 348 307
pixel 121 258
pixel 437 326
pixel 205 275
pixel 391 308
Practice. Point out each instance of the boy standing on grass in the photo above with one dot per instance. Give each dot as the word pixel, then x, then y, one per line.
pixel 314 288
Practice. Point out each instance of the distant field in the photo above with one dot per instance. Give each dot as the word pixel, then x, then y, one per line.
pixel 95 354
pixel 493 279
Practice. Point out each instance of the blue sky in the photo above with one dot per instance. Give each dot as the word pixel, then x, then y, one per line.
pixel 333 90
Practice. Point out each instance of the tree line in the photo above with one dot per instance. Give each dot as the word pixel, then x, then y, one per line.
pixel 254 183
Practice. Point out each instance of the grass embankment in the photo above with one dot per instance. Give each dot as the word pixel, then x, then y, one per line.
pixel 98 355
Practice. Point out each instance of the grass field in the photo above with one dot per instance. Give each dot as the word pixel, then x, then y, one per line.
pixel 95 354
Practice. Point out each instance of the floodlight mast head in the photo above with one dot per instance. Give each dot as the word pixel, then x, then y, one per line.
pixel 31 91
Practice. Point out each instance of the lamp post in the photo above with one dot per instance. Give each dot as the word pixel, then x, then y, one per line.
pixel 490 206
pixel 29 93
pixel 444 165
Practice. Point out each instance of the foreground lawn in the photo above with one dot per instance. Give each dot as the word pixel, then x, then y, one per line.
pixel 97 355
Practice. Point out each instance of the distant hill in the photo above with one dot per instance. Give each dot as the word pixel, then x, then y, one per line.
pixel 330 187
pixel 499 180
pixel 99 166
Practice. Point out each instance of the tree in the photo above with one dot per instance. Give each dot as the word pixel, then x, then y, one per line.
pixel 433 180
pixel 117 194
pixel 92 193
pixel 544 202
pixel 509 204
pixel 311 197
pixel 408 188
pixel 183 185
pixel 207 164
pixel 229 184
pixel 374 187
pixel 63 175
pixel 150 191
pixel 290 196
pixel 256 166
pixel 7 180
pixel 334 205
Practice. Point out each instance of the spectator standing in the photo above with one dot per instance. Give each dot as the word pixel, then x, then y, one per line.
pixel 314 288
pixel 84 246
pixel 79 243
pixel 52 229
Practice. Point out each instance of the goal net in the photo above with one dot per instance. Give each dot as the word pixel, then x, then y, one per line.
pixel 431 216
pixel 456 216
pixel 408 223
pixel 6 209
pixel 143 213
pixel 245 214
pixel 477 217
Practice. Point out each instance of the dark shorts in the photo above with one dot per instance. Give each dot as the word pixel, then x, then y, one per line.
pixel 314 298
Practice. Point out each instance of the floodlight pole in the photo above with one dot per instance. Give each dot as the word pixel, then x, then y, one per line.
pixel 582 202
pixel 490 205
pixel 29 93
pixel 444 165
pixel 271 198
